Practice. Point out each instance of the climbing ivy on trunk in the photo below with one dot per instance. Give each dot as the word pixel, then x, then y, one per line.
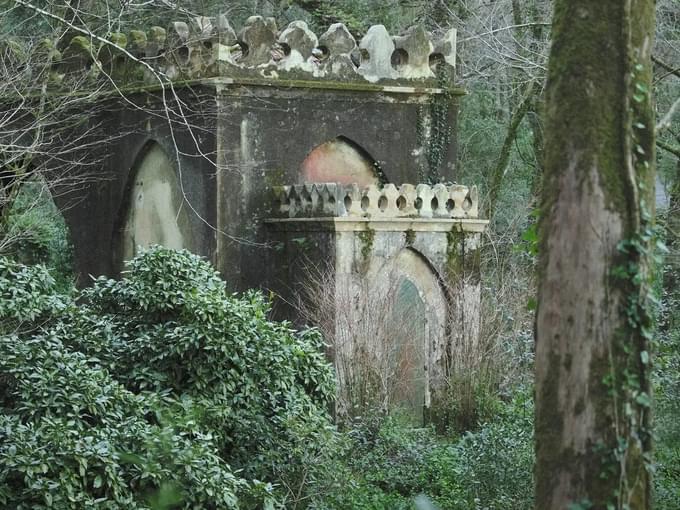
pixel 593 322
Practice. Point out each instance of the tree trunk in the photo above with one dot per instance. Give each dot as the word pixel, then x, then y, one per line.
pixel 592 323
pixel 524 106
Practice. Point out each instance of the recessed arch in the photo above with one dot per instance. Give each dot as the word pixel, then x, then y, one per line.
pixel 154 210
pixel 341 160
pixel 419 313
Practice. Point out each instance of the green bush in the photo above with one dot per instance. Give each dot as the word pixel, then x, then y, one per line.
pixel 389 465
pixel 28 296
pixel 72 437
pixel 160 379
pixel 490 468
pixel 162 390
pixel 393 456
pixel 34 232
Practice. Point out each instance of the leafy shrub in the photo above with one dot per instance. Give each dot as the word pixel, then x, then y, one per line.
pixel 28 296
pixel 72 437
pixel 496 462
pixel 159 378
pixel 394 456
pixel 35 232
pixel 391 465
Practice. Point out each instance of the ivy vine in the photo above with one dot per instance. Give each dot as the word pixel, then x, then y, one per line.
pixel 434 130
pixel 628 383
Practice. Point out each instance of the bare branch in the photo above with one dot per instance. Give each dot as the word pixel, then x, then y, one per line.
pixel 667 147
pixel 502 29
pixel 665 121
pixel 671 70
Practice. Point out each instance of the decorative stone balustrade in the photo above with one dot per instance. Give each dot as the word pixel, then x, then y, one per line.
pixel 210 47
pixel 320 200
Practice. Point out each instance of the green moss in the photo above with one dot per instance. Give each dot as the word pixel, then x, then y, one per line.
pixel 549 424
pixel 275 177
pixel 119 39
pixel 472 260
pixel 366 237
pixel 409 237
pixel 138 38
pixel 581 121
pixel 454 253
pixel 157 34
pixel 80 45
pixel 134 87
pixel 599 119
pixel 342 85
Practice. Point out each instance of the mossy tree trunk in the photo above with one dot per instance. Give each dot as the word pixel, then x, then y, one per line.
pixel 592 325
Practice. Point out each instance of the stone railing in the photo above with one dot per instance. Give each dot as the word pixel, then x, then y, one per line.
pixel 210 47
pixel 321 200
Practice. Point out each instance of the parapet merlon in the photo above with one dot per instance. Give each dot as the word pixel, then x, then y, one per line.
pixel 210 47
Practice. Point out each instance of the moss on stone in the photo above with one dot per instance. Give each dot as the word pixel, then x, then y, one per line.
pixel 454 253
pixel 366 238
pixel 80 45
pixel 409 237
pixel 138 38
pixel 275 177
pixel 339 85
pixel 119 39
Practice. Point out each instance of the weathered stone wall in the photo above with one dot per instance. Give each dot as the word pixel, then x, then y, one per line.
pixel 359 250
pixel 244 112
pixel 265 135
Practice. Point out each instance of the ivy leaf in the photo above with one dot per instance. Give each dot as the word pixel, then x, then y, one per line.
pixel 644 400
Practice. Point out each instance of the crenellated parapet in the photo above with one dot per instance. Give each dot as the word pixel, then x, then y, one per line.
pixel 322 200
pixel 212 47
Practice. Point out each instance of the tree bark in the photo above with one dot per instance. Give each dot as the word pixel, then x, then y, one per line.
pixel 592 323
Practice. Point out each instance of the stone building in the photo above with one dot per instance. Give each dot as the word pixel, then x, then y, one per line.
pixel 280 155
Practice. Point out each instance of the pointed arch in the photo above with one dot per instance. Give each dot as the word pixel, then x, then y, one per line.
pixel 153 211
pixel 419 313
pixel 341 160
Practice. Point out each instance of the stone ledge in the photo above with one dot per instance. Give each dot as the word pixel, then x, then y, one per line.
pixel 377 224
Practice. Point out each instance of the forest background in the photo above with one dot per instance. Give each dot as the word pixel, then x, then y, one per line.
pixel 485 457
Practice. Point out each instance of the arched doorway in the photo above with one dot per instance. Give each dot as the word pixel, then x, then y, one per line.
pixel 156 212
pixel 418 329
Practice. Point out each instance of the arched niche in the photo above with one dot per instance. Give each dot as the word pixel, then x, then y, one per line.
pixel 340 160
pixel 156 212
pixel 419 310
